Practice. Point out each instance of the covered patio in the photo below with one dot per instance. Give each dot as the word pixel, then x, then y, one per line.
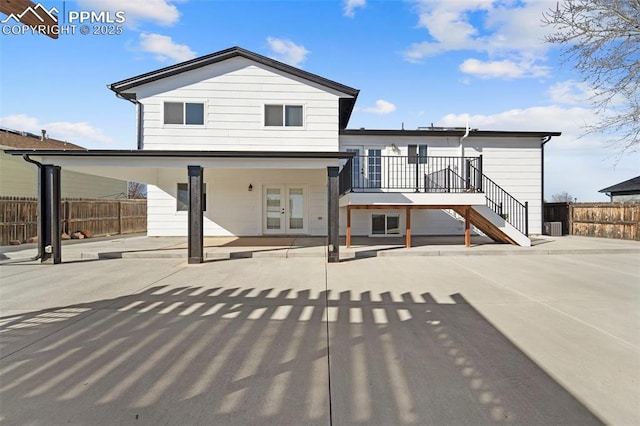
pixel 148 166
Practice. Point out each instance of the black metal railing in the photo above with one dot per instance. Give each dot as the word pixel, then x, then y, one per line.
pixel 503 203
pixel 367 173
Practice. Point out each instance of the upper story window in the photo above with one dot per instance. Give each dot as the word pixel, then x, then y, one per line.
pixel 186 113
pixel 283 115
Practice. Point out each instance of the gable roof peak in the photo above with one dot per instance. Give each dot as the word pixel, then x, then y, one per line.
pixel 125 85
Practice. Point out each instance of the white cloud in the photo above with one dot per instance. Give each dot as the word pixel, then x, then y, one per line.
pixel 351 5
pixel 569 121
pixel 502 69
pixel 287 51
pixel 79 133
pixel 165 48
pixel 161 12
pixel 382 107
pixel 479 25
pixel 504 31
pixel 570 92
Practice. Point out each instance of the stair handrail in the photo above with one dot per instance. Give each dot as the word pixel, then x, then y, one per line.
pixel 501 202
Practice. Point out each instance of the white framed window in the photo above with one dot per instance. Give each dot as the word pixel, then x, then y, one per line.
pixel 182 197
pixel 385 224
pixel 281 115
pixel 417 154
pixel 184 113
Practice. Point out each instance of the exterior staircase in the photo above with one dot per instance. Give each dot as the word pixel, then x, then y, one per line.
pixel 503 218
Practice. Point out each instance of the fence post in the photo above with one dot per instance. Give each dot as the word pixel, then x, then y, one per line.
pixel 120 217
pixel 570 219
pixel 69 217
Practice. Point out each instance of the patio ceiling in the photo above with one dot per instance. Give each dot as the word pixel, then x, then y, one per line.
pixel 146 166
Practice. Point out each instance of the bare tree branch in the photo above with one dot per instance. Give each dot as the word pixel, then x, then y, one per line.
pixel 137 190
pixel 601 39
pixel 562 197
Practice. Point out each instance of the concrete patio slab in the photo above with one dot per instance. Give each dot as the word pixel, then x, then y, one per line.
pixel 384 340
pixel 223 248
pixel 519 342
pixel 202 345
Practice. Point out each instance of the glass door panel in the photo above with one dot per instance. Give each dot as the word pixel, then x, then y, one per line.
pixel 374 168
pixel 296 209
pixel 273 209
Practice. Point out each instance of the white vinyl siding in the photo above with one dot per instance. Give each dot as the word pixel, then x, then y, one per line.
pixel 231 209
pixel 234 94
pixel 423 222
pixel 513 163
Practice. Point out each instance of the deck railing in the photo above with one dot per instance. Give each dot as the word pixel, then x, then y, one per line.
pixel 367 173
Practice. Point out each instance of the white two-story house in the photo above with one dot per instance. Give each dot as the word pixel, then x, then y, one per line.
pixel 243 145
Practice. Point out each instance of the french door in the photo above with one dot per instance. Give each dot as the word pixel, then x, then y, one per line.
pixel 366 167
pixel 285 210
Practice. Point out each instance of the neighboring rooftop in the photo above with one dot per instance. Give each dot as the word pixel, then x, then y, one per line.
pixel 632 185
pixel 26 140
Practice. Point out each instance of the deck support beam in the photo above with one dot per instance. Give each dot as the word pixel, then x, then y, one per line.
pixel 196 228
pixel 333 216
pixel 49 198
pixel 467 226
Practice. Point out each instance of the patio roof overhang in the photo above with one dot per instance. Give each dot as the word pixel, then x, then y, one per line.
pixel 143 166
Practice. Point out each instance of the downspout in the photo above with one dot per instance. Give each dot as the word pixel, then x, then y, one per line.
pixel 463 137
pixel 139 110
pixel 544 141
pixel 39 255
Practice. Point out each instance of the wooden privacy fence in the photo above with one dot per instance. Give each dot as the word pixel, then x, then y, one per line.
pixel 19 217
pixel 605 220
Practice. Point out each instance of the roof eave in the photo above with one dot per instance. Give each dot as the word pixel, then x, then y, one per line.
pixel 182 154
pixel 476 133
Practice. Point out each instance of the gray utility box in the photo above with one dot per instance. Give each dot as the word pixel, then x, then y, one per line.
pixel 553 228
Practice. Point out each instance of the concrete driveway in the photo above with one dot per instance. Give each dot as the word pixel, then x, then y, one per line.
pixel 448 340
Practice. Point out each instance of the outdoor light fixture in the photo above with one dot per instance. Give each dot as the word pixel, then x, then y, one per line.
pixel 250 188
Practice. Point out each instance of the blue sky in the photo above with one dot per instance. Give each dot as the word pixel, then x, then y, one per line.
pixel 415 62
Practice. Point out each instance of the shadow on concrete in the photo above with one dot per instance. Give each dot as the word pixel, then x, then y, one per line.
pixel 193 355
